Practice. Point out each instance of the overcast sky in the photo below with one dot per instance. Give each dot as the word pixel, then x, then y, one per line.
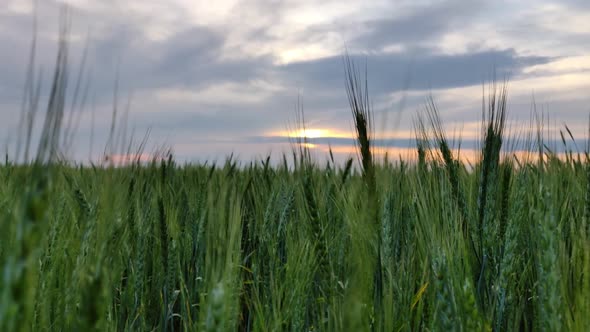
pixel 215 77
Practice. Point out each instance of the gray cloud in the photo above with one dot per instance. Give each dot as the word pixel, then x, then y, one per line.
pixel 575 4
pixel 195 58
pixel 191 58
pixel 425 71
pixel 423 24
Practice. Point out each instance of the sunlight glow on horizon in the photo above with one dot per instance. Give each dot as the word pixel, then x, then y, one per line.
pixel 312 133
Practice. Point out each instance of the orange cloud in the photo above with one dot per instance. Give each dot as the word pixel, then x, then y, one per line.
pixel 128 159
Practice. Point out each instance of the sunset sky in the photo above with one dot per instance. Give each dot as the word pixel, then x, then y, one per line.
pixel 215 77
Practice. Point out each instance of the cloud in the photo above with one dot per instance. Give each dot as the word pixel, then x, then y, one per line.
pixel 425 71
pixel 421 24
pixel 220 72
pixel 408 143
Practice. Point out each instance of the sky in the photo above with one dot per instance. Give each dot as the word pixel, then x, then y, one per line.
pixel 208 79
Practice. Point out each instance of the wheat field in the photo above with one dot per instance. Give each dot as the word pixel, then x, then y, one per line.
pixel 374 245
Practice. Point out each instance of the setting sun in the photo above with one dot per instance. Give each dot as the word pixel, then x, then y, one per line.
pixel 310 133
